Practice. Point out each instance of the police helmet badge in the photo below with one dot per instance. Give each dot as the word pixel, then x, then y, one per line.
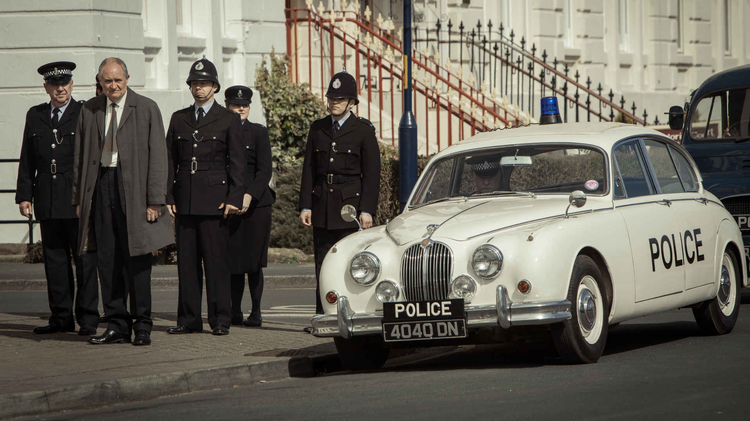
pixel 336 84
pixel 239 94
pixel 199 66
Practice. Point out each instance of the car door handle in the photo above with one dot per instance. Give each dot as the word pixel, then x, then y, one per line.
pixel 665 202
pixel 702 200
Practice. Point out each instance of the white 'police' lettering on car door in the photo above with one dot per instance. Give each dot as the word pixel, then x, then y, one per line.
pixel 668 247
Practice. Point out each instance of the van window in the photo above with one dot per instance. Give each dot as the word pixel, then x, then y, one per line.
pixel 722 115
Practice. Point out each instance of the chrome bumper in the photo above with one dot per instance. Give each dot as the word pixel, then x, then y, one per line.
pixel 346 323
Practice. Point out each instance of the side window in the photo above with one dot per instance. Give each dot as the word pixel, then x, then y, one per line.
pixel 687 175
pixel 663 166
pixel 631 180
pixel 724 115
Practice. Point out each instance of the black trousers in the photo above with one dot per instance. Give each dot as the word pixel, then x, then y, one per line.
pixel 202 243
pixel 323 240
pixel 121 274
pixel 255 284
pixel 59 241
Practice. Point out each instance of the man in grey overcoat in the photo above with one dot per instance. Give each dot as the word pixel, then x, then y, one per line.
pixel 119 189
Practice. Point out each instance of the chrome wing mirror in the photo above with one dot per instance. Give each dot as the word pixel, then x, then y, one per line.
pixel 349 214
pixel 577 199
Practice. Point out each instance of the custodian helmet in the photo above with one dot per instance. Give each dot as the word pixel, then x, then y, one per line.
pixel 343 85
pixel 203 69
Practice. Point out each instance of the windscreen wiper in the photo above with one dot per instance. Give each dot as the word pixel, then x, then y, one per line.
pixel 502 192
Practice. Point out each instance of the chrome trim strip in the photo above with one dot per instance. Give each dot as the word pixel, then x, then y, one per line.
pixel 346 323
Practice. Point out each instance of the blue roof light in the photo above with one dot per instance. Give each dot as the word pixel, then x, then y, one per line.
pixel 550 111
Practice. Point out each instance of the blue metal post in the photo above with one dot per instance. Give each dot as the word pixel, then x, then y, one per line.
pixel 407 128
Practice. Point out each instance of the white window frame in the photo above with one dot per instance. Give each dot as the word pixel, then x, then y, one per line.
pixel 727 27
pixel 568 16
pixel 622 25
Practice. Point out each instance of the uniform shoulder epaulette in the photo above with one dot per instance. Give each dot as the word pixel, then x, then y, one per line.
pixel 366 121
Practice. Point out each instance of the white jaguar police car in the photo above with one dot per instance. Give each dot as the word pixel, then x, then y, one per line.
pixel 564 228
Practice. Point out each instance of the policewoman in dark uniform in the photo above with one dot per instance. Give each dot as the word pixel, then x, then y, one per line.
pixel 45 178
pixel 250 232
pixel 206 184
pixel 342 166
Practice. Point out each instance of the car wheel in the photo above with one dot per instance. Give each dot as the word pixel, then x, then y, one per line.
pixel 362 353
pixel 718 315
pixel 581 339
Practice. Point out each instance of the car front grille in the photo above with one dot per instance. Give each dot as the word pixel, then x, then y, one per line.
pixel 426 272
pixel 737 205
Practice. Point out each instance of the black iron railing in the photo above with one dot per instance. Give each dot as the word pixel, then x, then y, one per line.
pixel 31 221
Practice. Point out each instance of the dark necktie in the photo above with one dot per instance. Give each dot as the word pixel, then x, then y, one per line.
pixel 200 116
pixel 336 128
pixel 55 116
pixel 110 140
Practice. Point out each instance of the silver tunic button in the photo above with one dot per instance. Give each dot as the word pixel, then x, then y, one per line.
pixel 333 143
pixel 357 194
pixel 192 172
pixel 214 137
pixel 54 177
pixel 331 160
pixel 196 132
pixel 349 151
pixel 247 147
pixel 223 181
pixel 330 191
pixel 195 145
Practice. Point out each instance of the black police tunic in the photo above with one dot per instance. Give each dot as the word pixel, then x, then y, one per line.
pixel 340 169
pixel 250 233
pixel 46 167
pixel 206 161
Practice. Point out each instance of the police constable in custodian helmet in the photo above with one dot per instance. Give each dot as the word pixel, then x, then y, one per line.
pixel 44 178
pixel 342 166
pixel 206 184
pixel 250 232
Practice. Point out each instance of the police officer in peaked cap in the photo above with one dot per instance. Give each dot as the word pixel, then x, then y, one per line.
pixel 44 179
pixel 250 231
pixel 206 185
pixel 342 166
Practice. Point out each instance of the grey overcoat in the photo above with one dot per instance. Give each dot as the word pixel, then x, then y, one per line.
pixel 142 151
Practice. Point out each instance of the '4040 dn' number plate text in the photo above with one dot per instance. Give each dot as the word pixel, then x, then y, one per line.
pixel 416 331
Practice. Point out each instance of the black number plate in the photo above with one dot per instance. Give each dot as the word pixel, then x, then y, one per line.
pixel 424 320
pixel 423 310
pixel 424 330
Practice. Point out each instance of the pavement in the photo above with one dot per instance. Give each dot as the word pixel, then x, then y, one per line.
pixel 50 373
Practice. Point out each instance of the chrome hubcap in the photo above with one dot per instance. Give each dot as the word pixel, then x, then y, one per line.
pixel 725 286
pixel 586 310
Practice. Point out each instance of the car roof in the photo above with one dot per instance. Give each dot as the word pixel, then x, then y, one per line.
pixel 728 79
pixel 604 135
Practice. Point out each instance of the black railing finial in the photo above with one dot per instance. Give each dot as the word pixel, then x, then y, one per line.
pixel 544 56
pixel 645 116
pixel 523 43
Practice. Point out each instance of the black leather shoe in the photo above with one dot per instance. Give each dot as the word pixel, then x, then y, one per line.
pixel 221 330
pixel 142 337
pixel 180 329
pixel 308 329
pixel 52 328
pixel 87 330
pixel 110 337
pixel 237 319
pixel 253 320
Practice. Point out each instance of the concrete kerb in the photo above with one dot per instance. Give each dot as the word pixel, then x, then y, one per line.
pixel 140 388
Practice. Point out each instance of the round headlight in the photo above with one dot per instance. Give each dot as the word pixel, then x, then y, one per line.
pixel 464 287
pixel 487 261
pixel 387 292
pixel 364 268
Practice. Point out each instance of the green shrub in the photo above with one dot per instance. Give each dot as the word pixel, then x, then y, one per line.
pixel 289 109
pixel 34 253
pixel 286 229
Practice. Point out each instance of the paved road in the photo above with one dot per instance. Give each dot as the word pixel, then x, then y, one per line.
pixel 658 367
